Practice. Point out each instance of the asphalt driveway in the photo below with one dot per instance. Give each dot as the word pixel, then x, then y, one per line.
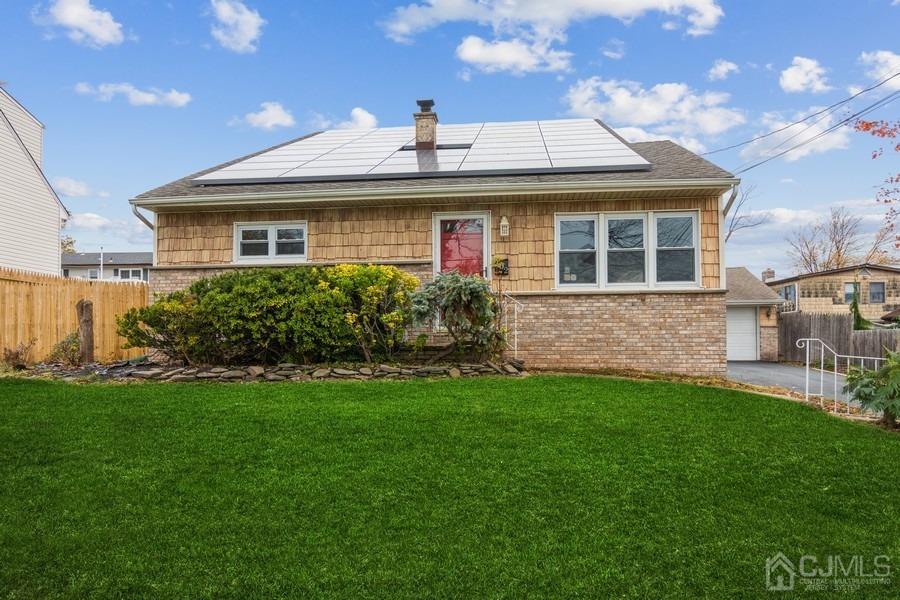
pixel 783 376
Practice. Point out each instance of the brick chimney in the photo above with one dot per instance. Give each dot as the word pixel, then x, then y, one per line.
pixel 768 274
pixel 426 126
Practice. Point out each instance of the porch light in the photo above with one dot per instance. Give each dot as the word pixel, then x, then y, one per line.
pixel 504 226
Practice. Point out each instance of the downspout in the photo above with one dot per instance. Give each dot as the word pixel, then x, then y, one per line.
pixel 141 217
pixel 731 199
pixel 722 268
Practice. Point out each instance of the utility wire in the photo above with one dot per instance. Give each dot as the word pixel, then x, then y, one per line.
pixel 874 106
pixel 806 118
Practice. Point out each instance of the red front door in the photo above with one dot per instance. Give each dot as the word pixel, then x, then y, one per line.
pixel 461 245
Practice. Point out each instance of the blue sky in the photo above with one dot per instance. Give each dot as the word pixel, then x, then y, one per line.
pixel 135 93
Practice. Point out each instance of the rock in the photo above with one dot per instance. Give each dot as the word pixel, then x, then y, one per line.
pixel 344 372
pixel 517 363
pixel 320 373
pixel 274 377
pixel 389 369
pixel 190 371
pixel 183 377
pixel 524 373
pixel 218 370
pixel 494 367
pixel 255 371
pixel 286 372
pixel 365 371
pixel 235 374
pixel 454 373
pixel 169 374
pixel 301 378
pixel 207 375
pixel 151 374
pixel 287 365
pixel 407 372
pixel 509 368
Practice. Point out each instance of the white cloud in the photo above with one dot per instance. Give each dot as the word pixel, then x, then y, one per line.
pixel 360 118
pixel 804 75
pixel 110 231
pixel 671 25
pixel 271 115
pixel 71 188
pixel 721 69
pixel 237 27
pixel 614 49
pixel 664 111
pixel 546 18
pixel 516 56
pixel 105 92
pixel 524 33
pixel 772 145
pixel 881 65
pixel 464 75
pixel 84 23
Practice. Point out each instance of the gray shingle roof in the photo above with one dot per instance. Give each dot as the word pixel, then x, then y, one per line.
pixel 669 162
pixel 92 259
pixel 744 288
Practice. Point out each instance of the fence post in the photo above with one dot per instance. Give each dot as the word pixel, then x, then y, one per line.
pixel 85 311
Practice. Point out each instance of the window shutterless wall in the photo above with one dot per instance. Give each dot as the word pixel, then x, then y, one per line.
pixel 404 233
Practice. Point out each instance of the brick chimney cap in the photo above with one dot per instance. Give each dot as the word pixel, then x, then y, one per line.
pixel 425 105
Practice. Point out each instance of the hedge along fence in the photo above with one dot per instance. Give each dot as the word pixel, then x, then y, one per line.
pixel 42 308
pixel 836 330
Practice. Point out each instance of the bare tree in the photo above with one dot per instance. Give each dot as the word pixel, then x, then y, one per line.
pixel 741 216
pixel 838 241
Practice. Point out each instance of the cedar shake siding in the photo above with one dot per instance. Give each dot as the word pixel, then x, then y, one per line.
pixel 404 234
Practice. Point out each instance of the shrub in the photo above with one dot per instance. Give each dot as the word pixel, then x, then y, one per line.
pixel 265 316
pixel 19 356
pixel 67 350
pixel 878 389
pixel 467 308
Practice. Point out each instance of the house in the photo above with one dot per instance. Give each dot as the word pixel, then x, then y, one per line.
pixel 614 250
pixel 831 291
pixel 751 317
pixel 31 214
pixel 117 266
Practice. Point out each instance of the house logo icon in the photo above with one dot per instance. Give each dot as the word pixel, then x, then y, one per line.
pixel 780 573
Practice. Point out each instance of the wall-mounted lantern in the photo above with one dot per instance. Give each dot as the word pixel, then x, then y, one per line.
pixel 504 226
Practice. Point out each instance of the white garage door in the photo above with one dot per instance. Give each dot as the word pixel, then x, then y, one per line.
pixel 741 332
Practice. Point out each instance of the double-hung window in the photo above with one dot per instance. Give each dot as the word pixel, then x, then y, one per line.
pixel 577 243
pixel 851 289
pixel 876 292
pixel 627 250
pixel 270 242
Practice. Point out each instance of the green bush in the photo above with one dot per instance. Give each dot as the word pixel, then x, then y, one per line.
pixel 66 351
pixel 467 308
pixel 300 314
pixel 878 389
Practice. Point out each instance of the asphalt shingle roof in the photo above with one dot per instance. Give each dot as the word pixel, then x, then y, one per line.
pixel 743 287
pixel 669 162
pixel 91 259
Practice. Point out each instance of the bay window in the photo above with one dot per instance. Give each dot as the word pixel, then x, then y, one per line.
pixel 270 242
pixel 654 249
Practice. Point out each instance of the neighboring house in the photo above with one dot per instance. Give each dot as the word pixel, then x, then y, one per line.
pixel 831 291
pixel 31 214
pixel 751 317
pixel 614 250
pixel 122 266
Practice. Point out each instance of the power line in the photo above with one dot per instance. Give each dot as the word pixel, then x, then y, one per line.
pixel 874 106
pixel 806 118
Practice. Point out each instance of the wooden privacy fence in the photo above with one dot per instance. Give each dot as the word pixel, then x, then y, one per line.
pixel 42 308
pixel 836 331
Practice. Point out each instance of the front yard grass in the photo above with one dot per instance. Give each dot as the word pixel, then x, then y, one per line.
pixel 546 486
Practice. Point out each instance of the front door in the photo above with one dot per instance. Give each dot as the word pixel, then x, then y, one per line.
pixel 462 243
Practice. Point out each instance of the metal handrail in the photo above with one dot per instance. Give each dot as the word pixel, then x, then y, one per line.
pixel 807 344
pixel 517 308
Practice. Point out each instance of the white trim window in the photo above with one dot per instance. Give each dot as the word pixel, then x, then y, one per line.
pixel 635 250
pixel 876 292
pixel 270 242
pixel 130 274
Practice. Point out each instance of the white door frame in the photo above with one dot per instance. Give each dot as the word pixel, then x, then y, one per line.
pixel 436 219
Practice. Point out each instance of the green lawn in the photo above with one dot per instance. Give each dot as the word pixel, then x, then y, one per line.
pixel 546 486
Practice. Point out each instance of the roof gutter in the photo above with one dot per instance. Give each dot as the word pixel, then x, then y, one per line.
pixel 393 193
pixel 141 217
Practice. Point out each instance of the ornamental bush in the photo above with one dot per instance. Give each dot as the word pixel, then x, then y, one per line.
pixel 265 316
pixel 467 308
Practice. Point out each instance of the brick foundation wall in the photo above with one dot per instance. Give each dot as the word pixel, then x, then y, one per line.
pixel 768 344
pixel 680 333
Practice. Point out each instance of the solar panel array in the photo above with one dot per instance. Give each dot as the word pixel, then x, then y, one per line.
pixel 488 148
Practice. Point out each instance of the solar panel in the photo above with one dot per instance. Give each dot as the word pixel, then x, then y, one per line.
pixel 569 145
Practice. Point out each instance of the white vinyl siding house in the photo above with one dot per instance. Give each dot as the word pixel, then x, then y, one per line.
pixel 31 215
